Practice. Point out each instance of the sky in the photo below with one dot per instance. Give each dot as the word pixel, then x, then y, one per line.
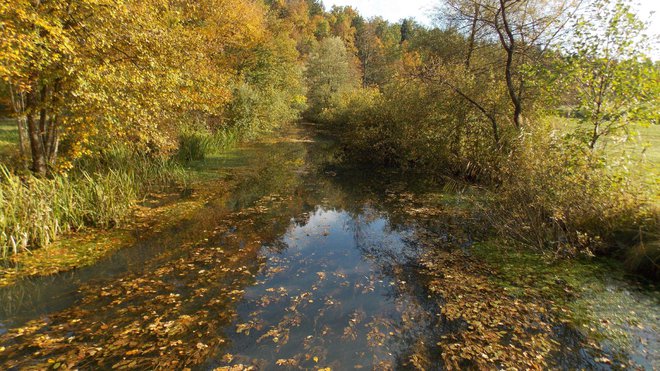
pixel 395 10
pixel 392 10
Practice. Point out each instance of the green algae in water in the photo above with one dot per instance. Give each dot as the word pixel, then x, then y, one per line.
pixel 617 314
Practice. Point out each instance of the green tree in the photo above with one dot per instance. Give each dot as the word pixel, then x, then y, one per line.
pixel 611 80
pixel 330 72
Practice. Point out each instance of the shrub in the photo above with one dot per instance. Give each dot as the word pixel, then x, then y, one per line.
pixel 411 125
pixel 559 197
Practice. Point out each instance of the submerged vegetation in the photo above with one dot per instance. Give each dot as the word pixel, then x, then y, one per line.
pixel 472 194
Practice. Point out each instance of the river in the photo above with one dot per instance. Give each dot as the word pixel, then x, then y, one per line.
pixel 306 264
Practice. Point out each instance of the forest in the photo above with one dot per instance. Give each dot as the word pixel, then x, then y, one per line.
pixel 527 129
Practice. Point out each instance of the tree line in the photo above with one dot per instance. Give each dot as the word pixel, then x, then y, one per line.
pixel 519 95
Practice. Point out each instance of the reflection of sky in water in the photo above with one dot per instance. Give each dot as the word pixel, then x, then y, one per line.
pixel 323 296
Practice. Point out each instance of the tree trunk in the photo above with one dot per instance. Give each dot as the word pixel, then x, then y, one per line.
pixel 36 146
pixel 22 139
pixel 34 134
pixel 43 117
pixel 473 32
pixel 510 48
pixel 52 143
pixel 52 139
pixel 18 104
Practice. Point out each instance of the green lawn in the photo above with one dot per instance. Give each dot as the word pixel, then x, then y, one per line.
pixel 643 148
pixel 8 139
pixel 641 145
pixel 648 142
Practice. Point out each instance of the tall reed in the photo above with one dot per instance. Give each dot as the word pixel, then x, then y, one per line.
pixel 99 193
pixel 197 144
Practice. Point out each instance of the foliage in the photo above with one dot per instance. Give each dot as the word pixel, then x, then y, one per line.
pixel 94 73
pixel 330 72
pixel 556 197
pixel 415 124
pixel 608 80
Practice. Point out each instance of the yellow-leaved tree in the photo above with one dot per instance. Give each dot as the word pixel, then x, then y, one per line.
pixel 85 73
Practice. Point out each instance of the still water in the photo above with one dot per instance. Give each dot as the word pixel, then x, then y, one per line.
pixel 300 265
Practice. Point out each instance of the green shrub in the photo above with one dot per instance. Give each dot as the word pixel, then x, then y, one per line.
pixel 411 125
pixel 559 197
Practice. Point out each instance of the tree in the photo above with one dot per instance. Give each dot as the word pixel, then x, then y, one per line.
pixel 406 30
pixel 86 73
pixel 342 22
pixel 612 81
pixel 523 29
pixel 330 72
pixel 370 53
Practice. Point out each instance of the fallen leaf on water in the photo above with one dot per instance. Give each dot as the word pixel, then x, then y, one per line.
pixel 286 362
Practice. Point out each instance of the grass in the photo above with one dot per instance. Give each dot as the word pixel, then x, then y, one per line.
pixel 649 139
pixel 84 249
pixel 641 145
pixel 99 193
pixel 8 138
pixel 102 192
pixel 196 145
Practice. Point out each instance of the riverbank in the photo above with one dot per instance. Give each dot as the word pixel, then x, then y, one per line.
pixel 84 248
pixel 162 207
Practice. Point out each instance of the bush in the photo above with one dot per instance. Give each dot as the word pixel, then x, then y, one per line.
pixel 559 197
pixel 411 125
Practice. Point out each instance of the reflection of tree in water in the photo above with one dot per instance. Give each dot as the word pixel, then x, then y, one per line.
pixel 438 285
pixel 415 333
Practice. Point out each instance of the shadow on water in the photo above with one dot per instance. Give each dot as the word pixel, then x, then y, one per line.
pixel 301 265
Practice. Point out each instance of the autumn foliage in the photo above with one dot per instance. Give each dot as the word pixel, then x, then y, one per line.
pixel 86 73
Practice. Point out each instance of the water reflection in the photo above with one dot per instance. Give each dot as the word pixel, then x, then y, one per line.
pixel 325 298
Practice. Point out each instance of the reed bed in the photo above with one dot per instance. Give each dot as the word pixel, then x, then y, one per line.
pixel 100 193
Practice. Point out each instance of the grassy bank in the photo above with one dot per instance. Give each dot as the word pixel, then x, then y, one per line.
pixel 157 212
pixel 70 221
pixel 98 193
